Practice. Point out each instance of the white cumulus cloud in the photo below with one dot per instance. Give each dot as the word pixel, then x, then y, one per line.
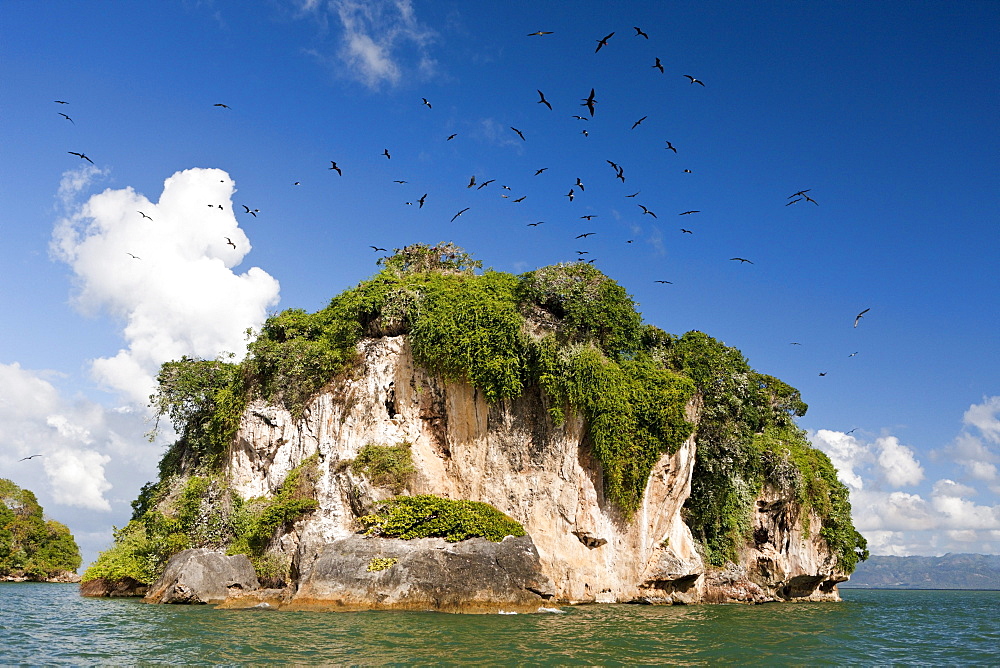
pixel 896 462
pixel 165 269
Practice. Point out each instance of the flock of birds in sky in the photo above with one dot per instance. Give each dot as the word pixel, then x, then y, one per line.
pixel 588 108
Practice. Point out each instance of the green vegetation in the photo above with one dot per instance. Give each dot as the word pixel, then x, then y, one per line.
pixel 381 563
pixel 567 332
pixel 201 511
pixel 747 438
pixel 385 465
pixel 31 546
pixel 429 516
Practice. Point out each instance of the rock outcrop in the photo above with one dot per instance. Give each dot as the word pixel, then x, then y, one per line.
pixel 511 455
pixel 203 576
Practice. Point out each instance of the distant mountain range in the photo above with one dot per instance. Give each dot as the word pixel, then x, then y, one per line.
pixel 952 571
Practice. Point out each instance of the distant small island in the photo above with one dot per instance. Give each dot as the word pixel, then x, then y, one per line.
pixel 33 548
pixel 952 571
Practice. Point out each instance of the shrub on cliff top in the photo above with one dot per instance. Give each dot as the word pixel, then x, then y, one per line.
pixel 30 545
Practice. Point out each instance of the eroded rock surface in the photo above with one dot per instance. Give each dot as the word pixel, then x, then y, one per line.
pixel 203 576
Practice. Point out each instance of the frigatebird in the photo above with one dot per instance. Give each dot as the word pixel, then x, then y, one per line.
pixel 540 171
pixel 333 165
pixel 694 81
pixel 224 106
pixel 377 249
pixel 639 121
pixel 683 231
pixel 658 65
pixel 429 104
pixel 645 210
pixel 687 213
pixel 459 214
pixel 669 147
pixel 858 317
pixel 519 133
pixel 670 282
pixel 543 100
pixel 30 456
pixel 589 102
pixel 66 117
pixel 450 137
pixel 421 201
pixel 81 155
pixel 385 152
pixel 584 236
pixel 229 242
pixel 539 32
pixel 144 215
pixel 603 42
pixel 639 33
pixel 741 259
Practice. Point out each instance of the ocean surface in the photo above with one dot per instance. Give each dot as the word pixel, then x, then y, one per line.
pixel 52 624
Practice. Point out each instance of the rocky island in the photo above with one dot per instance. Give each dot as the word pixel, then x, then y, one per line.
pixel 446 439
pixel 32 548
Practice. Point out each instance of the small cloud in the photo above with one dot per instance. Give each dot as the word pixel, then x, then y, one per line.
pixel 986 418
pixel 897 464
pixel 382 41
pixel 77 478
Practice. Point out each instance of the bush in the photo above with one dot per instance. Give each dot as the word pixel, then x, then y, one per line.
pixel 385 465
pixel 429 516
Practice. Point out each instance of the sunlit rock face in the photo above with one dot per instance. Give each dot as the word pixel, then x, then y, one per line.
pixel 511 455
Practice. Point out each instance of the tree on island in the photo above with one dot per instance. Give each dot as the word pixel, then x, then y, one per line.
pixel 32 547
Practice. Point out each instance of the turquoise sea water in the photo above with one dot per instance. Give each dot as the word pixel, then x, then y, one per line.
pixel 52 624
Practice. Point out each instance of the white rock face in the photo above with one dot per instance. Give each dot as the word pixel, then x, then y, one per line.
pixel 512 456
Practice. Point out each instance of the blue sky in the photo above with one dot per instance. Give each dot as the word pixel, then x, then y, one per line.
pixel 887 112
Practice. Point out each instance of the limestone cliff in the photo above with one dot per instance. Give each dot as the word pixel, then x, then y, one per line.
pixel 511 455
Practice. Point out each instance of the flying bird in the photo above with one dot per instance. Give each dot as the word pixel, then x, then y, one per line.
pixel 669 147
pixel 639 33
pixel 686 213
pixel 539 32
pixel 583 252
pixel 603 42
pixel 459 214
pixel 634 194
pixel 541 222
pixel 450 137
pixel 66 117
pixel 584 133
pixel 858 317
pixel 540 171
pixel 224 106
pixel 852 354
pixel 639 121
pixel 31 456
pixel 670 282
pixel 810 199
pixel 485 183
pixel 543 100
pixel 741 260
pixel 584 236
pixel 793 201
pixel 683 231
pixel 589 216
pixel 658 65
pixel 580 118
pixel 252 212
pixel 579 184
pixel 799 193
pixel 297 183
pixel 427 103
pixel 472 181
pixel 694 81
pixel 333 165
pixel 519 133
pixel 60 101
pixel 822 373
pixel 589 102
pixel 570 194
pixel 377 249
pixel 645 210
pixel 421 201
pixel 385 152
pixel 399 182
pixel 687 171
pixel 134 257
pixel 229 242
pixel 81 155
pixel 520 199
pixel 144 215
